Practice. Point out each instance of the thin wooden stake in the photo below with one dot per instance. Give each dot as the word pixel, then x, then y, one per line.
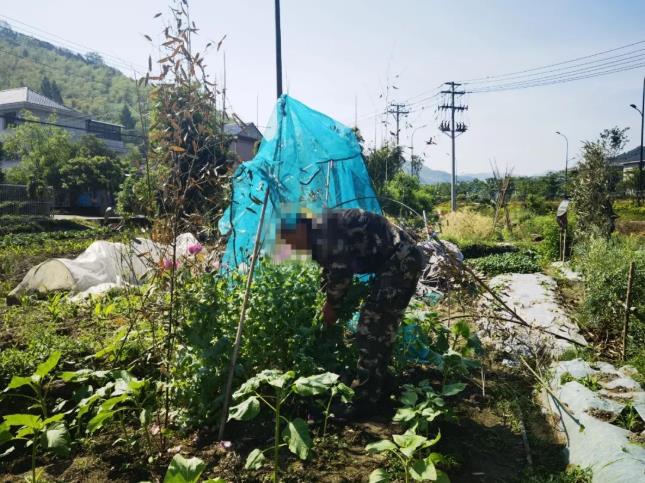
pixel 240 325
pixel 628 304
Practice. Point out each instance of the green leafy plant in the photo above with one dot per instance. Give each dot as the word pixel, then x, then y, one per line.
pixel 405 447
pixel 566 377
pixel 186 470
pixel 421 405
pixel 517 262
pixel 123 398
pixel 281 386
pixel 41 432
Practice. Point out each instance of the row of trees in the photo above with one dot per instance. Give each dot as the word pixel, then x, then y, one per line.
pixel 385 166
pixel 49 156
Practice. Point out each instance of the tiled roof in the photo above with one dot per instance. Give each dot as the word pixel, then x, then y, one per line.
pixel 248 131
pixel 26 95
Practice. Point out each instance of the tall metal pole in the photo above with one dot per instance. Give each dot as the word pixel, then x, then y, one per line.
pixel 256 249
pixel 453 178
pixel 641 111
pixel 640 165
pixel 278 48
pixel 566 161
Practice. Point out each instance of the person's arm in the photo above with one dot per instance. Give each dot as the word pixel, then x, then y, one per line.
pixel 338 279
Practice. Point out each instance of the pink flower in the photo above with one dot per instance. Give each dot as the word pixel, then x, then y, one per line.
pixel 195 248
pixel 167 264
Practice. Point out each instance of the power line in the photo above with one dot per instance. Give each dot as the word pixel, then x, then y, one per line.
pixel 595 54
pixel 538 82
pixel 595 63
pixel 115 59
pixel 585 70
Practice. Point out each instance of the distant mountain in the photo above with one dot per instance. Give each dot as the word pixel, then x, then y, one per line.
pixel 433 176
pixel 83 82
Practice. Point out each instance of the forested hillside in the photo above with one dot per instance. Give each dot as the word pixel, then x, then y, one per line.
pixel 84 83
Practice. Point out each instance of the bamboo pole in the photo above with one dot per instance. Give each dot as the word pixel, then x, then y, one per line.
pixel 240 325
pixel 628 303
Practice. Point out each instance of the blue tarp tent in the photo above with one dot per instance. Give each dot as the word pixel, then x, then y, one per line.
pixel 306 160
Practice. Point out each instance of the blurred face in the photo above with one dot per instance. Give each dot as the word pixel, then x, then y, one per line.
pixel 298 239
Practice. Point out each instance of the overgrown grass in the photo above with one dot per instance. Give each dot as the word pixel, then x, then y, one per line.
pixel 467 226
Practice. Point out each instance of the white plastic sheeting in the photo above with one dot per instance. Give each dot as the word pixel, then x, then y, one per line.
pixel 102 266
pixel 533 297
pixel 602 446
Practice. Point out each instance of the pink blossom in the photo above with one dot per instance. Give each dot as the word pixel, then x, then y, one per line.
pixel 167 264
pixel 195 248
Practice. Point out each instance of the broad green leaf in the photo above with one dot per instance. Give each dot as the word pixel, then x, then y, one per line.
pixel 461 329
pixel 254 460
pixel 380 446
pixel 430 414
pixel 184 470
pixel 409 398
pixel 215 480
pixel 404 415
pixel 145 416
pixel 5 434
pixel 127 384
pixel 436 458
pixel 297 435
pixel 281 380
pixel 109 404
pixel 378 476
pixel 423 470
pixel 346 392
pixel 255 382
pixel 18 381
pixel 28 420
pixel 56 440
pixel 315 385
pixel 82 375
pixel 442 477
pixel 409 443
pixel 246 410
pixel 97 421
pixel 25 431
pixel 452 389
pixel 45 368
pixel 53 419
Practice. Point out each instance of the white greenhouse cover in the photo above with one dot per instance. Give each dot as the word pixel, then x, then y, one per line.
pixel 102 266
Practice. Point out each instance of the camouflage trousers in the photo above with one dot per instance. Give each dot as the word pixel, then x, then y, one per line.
pixel 380 317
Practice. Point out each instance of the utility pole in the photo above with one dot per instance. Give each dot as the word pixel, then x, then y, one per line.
pixel 398 110
pixel 278 48
pixel 641 111
pixel 453 129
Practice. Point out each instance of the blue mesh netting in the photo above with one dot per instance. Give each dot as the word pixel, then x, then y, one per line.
pixel 308 161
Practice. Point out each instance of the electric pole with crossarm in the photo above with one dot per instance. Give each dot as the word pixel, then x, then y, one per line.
pixel 453 129
pixel 398 110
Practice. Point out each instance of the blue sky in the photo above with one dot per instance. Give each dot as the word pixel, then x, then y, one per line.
pixel 336 52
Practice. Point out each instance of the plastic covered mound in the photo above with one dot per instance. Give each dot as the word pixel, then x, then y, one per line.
pixel 307 161
pixel 102 266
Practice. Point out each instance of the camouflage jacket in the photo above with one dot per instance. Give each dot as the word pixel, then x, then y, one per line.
pixel 353 241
